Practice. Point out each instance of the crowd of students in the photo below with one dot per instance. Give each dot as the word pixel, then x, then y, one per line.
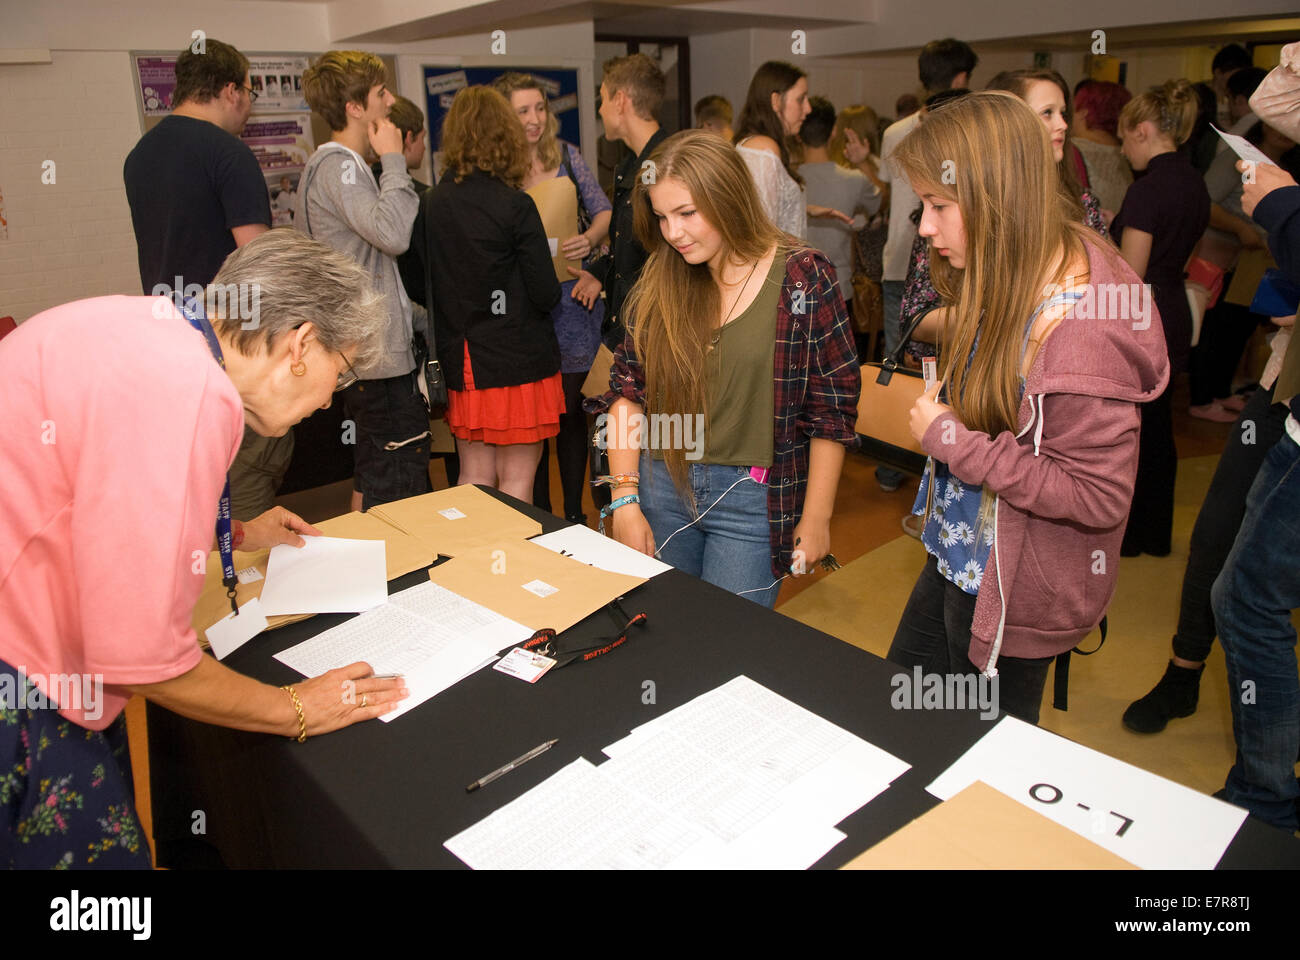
pixel 721 275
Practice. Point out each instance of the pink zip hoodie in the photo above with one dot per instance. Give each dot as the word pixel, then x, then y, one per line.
pixel 1063 483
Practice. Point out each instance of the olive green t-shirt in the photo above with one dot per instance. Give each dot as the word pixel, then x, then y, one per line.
pixel 740 387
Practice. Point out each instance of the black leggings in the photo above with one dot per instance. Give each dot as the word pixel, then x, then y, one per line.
pixel 1225 331
pixel 570 451
pixel 1258 428
pixel 934 634
pixel 1151 518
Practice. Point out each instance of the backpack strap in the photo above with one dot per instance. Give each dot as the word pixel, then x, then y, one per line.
pixel 1061 677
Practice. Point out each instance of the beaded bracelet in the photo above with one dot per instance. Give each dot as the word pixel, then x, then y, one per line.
pixel 297 705
pixel 617 480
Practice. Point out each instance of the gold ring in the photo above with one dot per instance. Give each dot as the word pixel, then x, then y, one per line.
pixel 364 700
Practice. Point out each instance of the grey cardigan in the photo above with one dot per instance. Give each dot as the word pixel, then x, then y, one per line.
pixel 340 204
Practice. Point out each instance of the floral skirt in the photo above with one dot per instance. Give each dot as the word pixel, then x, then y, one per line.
pixel 66 795
pixel 526 413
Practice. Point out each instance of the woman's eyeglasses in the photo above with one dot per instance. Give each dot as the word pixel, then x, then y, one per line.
pixel 347 378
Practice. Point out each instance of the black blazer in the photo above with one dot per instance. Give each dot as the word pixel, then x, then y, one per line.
pixel 491 282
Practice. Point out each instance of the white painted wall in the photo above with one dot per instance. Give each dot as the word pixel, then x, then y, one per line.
pixel 73 238
pixel 721 64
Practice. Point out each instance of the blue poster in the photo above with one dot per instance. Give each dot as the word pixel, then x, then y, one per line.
pixel 441 84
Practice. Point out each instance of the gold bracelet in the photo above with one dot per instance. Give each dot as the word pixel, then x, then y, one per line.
pixel 297 705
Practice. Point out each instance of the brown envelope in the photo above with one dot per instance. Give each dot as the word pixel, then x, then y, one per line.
pixel 557 202
pixel 563 590
pixel 486 520
pixel 597 381
pixel 983 829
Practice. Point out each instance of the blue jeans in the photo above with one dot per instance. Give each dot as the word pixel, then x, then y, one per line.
pixel 728 545
pixel 1253 599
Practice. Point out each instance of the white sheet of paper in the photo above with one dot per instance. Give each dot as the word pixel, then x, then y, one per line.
pixel 231 632
pixel 328 575
pixel 1243 147
pixel 738 778
pixel 597 550
pixel 578 819
pixel 1165 825
pixel 433 637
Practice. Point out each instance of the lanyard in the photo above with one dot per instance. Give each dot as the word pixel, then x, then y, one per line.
pixel 545 642
pixel 193 311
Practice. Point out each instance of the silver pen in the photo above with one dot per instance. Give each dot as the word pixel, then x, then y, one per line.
pixel 517 762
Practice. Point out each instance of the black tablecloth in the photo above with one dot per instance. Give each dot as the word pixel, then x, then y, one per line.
pixel 389 794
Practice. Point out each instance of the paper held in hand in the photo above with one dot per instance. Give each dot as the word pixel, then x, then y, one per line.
pixel 1243 147
pixel 326 575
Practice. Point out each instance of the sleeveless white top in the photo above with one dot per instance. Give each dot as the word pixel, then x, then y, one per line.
pixel 782 198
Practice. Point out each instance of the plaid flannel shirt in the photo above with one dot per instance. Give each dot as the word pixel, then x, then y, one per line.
pixel 816 387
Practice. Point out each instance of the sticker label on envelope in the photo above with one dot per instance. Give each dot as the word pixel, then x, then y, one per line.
pixel 451 513
pixel 555 245
pixel 541 588
pixel 248 575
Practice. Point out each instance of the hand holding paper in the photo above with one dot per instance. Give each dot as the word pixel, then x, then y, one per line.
pixel 275 527
pixel 1258 181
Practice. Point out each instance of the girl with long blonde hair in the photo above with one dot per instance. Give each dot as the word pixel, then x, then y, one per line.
pixel 1032 432
pixel 576 328
pixel 741 343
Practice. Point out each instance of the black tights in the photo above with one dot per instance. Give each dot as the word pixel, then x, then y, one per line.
pixel 570 451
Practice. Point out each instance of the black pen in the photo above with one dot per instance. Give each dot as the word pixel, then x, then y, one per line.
pixel 517 762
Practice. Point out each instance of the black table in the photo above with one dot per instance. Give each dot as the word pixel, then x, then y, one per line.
pixel 389 794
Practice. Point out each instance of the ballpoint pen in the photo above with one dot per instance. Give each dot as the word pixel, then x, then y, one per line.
pixel 518 761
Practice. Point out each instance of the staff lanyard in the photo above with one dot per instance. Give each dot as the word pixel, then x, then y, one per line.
pixel 193 311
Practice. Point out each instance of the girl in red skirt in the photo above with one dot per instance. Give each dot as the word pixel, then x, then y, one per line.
pixel 493 289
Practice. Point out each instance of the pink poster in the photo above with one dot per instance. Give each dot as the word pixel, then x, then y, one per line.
pixel 157 80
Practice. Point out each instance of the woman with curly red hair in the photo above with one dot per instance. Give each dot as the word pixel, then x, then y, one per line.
pixel 492 292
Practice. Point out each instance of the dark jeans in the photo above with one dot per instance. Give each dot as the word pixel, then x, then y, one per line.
pixel 1255 432
pixel 934 633
pixel 1253 600
pixel 391 436
pixel 1151 518
pixel 1225 332
pixel 571 451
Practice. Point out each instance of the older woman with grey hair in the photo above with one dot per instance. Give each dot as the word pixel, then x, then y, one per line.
pixel 123 415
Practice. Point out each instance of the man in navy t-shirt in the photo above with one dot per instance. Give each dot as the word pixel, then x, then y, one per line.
pixel 196 193
pixel 195 189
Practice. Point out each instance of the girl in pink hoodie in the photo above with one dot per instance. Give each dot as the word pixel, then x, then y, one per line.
pixel 1032 433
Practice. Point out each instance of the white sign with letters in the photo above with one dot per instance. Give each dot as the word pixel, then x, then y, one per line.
pixel 1151 822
